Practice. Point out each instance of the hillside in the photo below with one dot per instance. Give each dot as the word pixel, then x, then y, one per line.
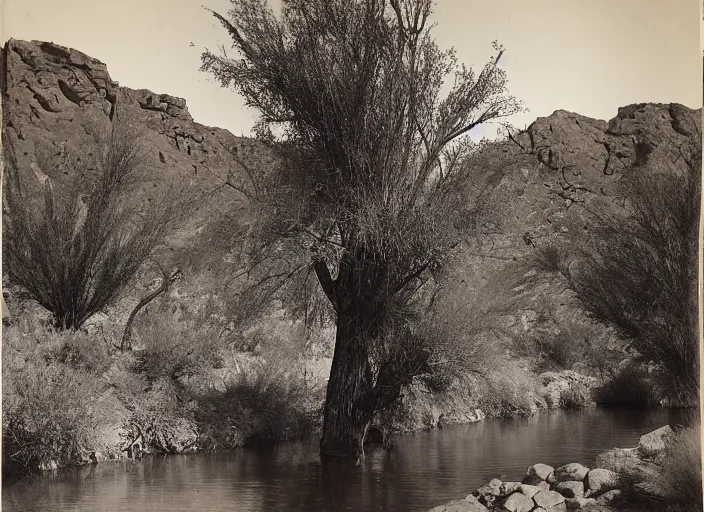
pixel 58 101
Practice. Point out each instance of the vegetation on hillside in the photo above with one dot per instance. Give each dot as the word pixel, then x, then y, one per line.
pixel 355 260
pixel 637 272
pixel 77 247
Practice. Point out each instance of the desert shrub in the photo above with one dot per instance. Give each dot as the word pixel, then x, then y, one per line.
pixel 160 409
pixel 677 485
pixel 637 272
pixel 164 416
pixel 77 246
pixel 631 385
pixel 560 350
pixel 508 393
pixel 257 407
pixel 52 413
pixel 81 351
pixel 556 343
pixel 174 344
pixel 269 401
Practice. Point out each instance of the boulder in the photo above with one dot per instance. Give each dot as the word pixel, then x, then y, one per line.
pixel 541 471
pixel 625 461
pixel 508 488
pixel 543 486
pixel 570 489
pixel 474 502
pixel 652 443
pixel 460 506
pixel 530 490
pixel 610 497
pixel 551 501
pixel 488 494
pixel 518 502
pixel 600 480
pixel 568 472
pixel 579 503
pixel 647 489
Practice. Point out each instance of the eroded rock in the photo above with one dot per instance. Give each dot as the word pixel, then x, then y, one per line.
pixel 531 490
pixel 579 503
pixel 541 471
pixel 550 500
pixel 611 497
pixel 460 506
pixel 621 460
pixel 653 443
pixel 509 488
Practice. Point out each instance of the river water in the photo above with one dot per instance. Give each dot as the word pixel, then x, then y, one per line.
pixel 423 470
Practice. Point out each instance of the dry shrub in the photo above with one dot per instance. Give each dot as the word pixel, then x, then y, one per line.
pixel 637 272
pixel 52 411
pixel 258 406
pixel 176 344
pixel 509 391
pixel 74 246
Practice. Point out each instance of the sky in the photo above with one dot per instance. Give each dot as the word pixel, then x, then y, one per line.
pixel 586 56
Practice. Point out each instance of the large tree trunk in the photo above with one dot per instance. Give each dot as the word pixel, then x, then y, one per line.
pixel 350 380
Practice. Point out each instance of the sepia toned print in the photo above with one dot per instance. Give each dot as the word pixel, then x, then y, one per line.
pixel 450 263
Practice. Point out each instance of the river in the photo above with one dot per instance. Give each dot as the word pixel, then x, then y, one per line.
pixel 423 470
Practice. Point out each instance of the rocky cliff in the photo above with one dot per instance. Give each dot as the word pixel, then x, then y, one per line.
pixel 58 100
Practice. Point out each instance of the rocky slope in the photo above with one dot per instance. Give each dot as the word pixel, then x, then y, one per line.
pixel 57 101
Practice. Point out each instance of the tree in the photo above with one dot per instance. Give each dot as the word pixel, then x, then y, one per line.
pixel 377 171
pixel 637 270
pixel 74 250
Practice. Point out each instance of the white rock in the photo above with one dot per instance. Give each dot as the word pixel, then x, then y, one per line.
pixel 518 502
pixel 542 471
pixel 569 472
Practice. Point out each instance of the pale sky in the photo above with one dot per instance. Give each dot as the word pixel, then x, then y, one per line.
pixel 586 56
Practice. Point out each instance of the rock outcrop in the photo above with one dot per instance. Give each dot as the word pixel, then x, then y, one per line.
pixel 59 102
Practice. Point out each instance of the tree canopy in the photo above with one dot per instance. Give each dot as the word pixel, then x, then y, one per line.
pixel 378 179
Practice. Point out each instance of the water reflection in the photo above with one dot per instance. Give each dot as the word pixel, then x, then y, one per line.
pixel 422 471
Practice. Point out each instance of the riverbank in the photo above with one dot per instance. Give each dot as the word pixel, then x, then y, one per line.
pixel 420 471
pixel 663 473
pixel 73 399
